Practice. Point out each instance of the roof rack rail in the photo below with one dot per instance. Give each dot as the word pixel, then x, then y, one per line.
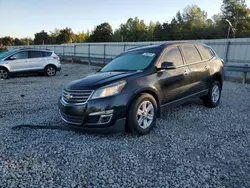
pixel 26 48
pixel 136 47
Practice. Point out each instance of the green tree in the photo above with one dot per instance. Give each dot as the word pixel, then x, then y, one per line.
pixel 158 32
pixel 150 31
pixel 195 21
pixel 41 38
pixel 117 37
pixel 217 18
pixel 66 36
pixel 27 41
pixel 17 42
pixel 134 30
pixel 7 41
pixel 81 37
pixel 102 33
pixel 237 12
pixel 53 36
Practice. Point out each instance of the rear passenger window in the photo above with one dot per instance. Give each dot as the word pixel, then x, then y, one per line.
pixel 191 54
pixel 47 54
pixel 206 52
pixel 35 54
pixel 173 55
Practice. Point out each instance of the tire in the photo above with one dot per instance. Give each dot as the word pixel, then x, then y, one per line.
pixel 212 99
pixel 4 74
pixel 50 70
pixel 142 123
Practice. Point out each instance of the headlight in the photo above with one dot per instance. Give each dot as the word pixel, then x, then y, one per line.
pixel 109 90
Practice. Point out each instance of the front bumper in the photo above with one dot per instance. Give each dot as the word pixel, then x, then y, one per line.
pixel 107 114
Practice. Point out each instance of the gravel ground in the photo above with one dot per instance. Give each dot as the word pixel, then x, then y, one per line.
pixel 191 146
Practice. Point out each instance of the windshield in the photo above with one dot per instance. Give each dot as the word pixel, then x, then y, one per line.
pixel 6 54
pixel 132 61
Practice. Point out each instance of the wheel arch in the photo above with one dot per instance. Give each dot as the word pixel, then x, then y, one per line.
pixel 150 91
pixel 50 65
pixel 5 68
pixel 218 77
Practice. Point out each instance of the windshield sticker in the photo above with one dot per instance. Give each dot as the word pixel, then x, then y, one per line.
pixel 148 54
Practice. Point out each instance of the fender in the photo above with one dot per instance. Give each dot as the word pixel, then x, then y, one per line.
pixel 4 67
pixel 151 90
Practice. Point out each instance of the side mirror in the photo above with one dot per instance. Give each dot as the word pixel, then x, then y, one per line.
pixel 167 66
pixel 12 58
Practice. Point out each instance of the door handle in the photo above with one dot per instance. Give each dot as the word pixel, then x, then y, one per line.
pixel 186 73
pixel 206 67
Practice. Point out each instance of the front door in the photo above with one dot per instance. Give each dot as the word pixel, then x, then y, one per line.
pixel 175 82
pixel 18 62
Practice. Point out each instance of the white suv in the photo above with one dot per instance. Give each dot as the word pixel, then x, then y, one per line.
pixel 28 60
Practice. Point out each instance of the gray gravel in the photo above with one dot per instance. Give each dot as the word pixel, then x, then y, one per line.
pixel 191 146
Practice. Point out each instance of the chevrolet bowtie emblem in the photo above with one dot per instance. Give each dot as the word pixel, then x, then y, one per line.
pixel 68 96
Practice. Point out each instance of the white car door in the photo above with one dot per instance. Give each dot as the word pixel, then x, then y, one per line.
pixel 18 62
pixel 36 60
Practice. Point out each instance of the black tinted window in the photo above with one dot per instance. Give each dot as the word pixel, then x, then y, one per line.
pixel 135 60
pixel 47 54
pixel 173 55
pixel 206 52
pixel 191 54
pixel 35 54
pixel 20 55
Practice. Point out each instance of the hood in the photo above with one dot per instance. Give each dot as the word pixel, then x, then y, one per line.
pixel 98 80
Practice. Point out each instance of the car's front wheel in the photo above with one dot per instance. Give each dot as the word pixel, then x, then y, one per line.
pixel 4 74
pixel 50 70
pixel 142 114
pixel 212 99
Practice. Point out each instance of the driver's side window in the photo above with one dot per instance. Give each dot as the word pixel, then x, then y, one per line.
pixel 19 55
pixel 173 55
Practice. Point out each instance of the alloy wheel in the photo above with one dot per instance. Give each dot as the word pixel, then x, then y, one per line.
pixel 3 74
pixel 51 71
pixel 145 114
pixel 215 93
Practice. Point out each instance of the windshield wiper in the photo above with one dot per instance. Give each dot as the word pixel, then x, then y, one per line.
pixel 121 70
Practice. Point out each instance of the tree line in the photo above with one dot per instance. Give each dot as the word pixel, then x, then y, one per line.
pixel 190 23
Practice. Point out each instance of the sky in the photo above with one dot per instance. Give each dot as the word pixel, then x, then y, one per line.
pixel 23 18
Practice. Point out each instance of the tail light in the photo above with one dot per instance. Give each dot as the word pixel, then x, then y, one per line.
pixel 57 58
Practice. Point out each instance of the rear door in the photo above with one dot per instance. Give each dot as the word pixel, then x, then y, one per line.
pixel 36 60
pixel 207 55
pixel 174 83
pixel 18 61
pixel 199 71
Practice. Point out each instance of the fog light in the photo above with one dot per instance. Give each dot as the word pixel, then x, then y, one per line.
pixel 105 118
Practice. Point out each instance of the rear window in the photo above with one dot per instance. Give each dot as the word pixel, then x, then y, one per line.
pixel 206 52
pixel 47 54
pixel 35 54
pixel 191 54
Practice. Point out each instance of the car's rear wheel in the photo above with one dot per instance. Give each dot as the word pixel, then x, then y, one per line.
pixel 212 99
pixel 142 115
pixel 4 74
pixel 50 70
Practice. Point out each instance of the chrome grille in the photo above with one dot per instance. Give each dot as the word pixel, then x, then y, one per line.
pixel 76 96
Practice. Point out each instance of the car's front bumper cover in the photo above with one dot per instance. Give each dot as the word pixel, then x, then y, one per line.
pixel 107 114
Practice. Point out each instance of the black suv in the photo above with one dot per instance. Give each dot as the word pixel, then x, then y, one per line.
pixel 130 91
